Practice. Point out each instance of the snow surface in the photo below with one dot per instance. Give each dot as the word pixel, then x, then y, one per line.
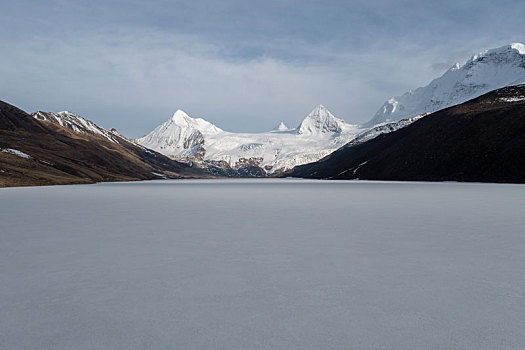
pixel 283 264
pixel 281 127
pixel 484 72
pixel 318 135
pixel 17 153
pixel 78 124
pixel 512 99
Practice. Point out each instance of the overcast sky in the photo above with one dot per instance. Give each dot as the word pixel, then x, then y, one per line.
pixel 243 65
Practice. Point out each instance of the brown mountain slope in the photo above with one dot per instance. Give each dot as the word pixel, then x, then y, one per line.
pixel 62 156
pixel 480 140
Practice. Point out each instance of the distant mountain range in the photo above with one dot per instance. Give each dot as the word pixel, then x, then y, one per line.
pixel 47 148
pixel 188 139
pixel 321 133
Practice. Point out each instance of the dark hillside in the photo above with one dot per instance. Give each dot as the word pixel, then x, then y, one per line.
pixel 480 140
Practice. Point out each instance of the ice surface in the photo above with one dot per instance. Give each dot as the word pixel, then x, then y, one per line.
pixel 263 264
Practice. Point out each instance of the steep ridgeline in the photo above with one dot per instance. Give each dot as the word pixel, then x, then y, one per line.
pixel 188 139
pixel 484 72
pixel 47 149
pixel 479 140
pixel 78 124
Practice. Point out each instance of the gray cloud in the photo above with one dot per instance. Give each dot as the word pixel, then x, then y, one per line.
pixel 242 66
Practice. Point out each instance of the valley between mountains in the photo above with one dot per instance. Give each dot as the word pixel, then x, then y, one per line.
pixel 419 135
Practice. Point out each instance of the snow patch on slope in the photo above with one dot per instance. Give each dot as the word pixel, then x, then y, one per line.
pixel 383 128
pixel 17 153
pixel 512 99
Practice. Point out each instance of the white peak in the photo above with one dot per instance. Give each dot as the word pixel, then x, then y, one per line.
pixel 281 127
pixel 506 50
pixel 67 113
pixel 320 109
pixel 519 47
pixel 181 113
pixel 320 112
pixel 183 120
pixel 181 116
pixel 320 120
pixel 180 136
pixel 484 72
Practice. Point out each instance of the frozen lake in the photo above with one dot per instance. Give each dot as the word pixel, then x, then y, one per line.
pixel 263 264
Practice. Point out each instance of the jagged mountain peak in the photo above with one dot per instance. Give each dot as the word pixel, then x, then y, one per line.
pixel 507 54
pixel 281 127
pixel 512 49
pixel 488 70
pixel 320 121
pixel 181 136
pixel 180 115
pixel 182 120
pixel 69 114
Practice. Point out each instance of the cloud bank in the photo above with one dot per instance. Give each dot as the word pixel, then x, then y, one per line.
pixel 243 67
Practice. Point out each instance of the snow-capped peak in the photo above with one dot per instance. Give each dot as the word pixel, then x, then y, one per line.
pixel 183 120
pixel 76 123
pixel 281 127
pixel 282 148
pixel 519 47
pixel 320 121
pixel 181 136
pixel 483 72
pixel 181 117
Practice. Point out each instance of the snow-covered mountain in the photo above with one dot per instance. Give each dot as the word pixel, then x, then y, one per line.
pixel 186 138
pixel 78 124
pixel 383 128
pixel 281 127
pixel 484 72
pixel 320 122
pixel 321 133
pixel 180 137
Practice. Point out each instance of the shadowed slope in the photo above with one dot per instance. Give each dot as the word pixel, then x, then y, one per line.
pixel 62 156
pixel 480 140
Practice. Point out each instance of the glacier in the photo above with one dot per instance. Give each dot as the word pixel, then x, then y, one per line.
pixel 186 138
